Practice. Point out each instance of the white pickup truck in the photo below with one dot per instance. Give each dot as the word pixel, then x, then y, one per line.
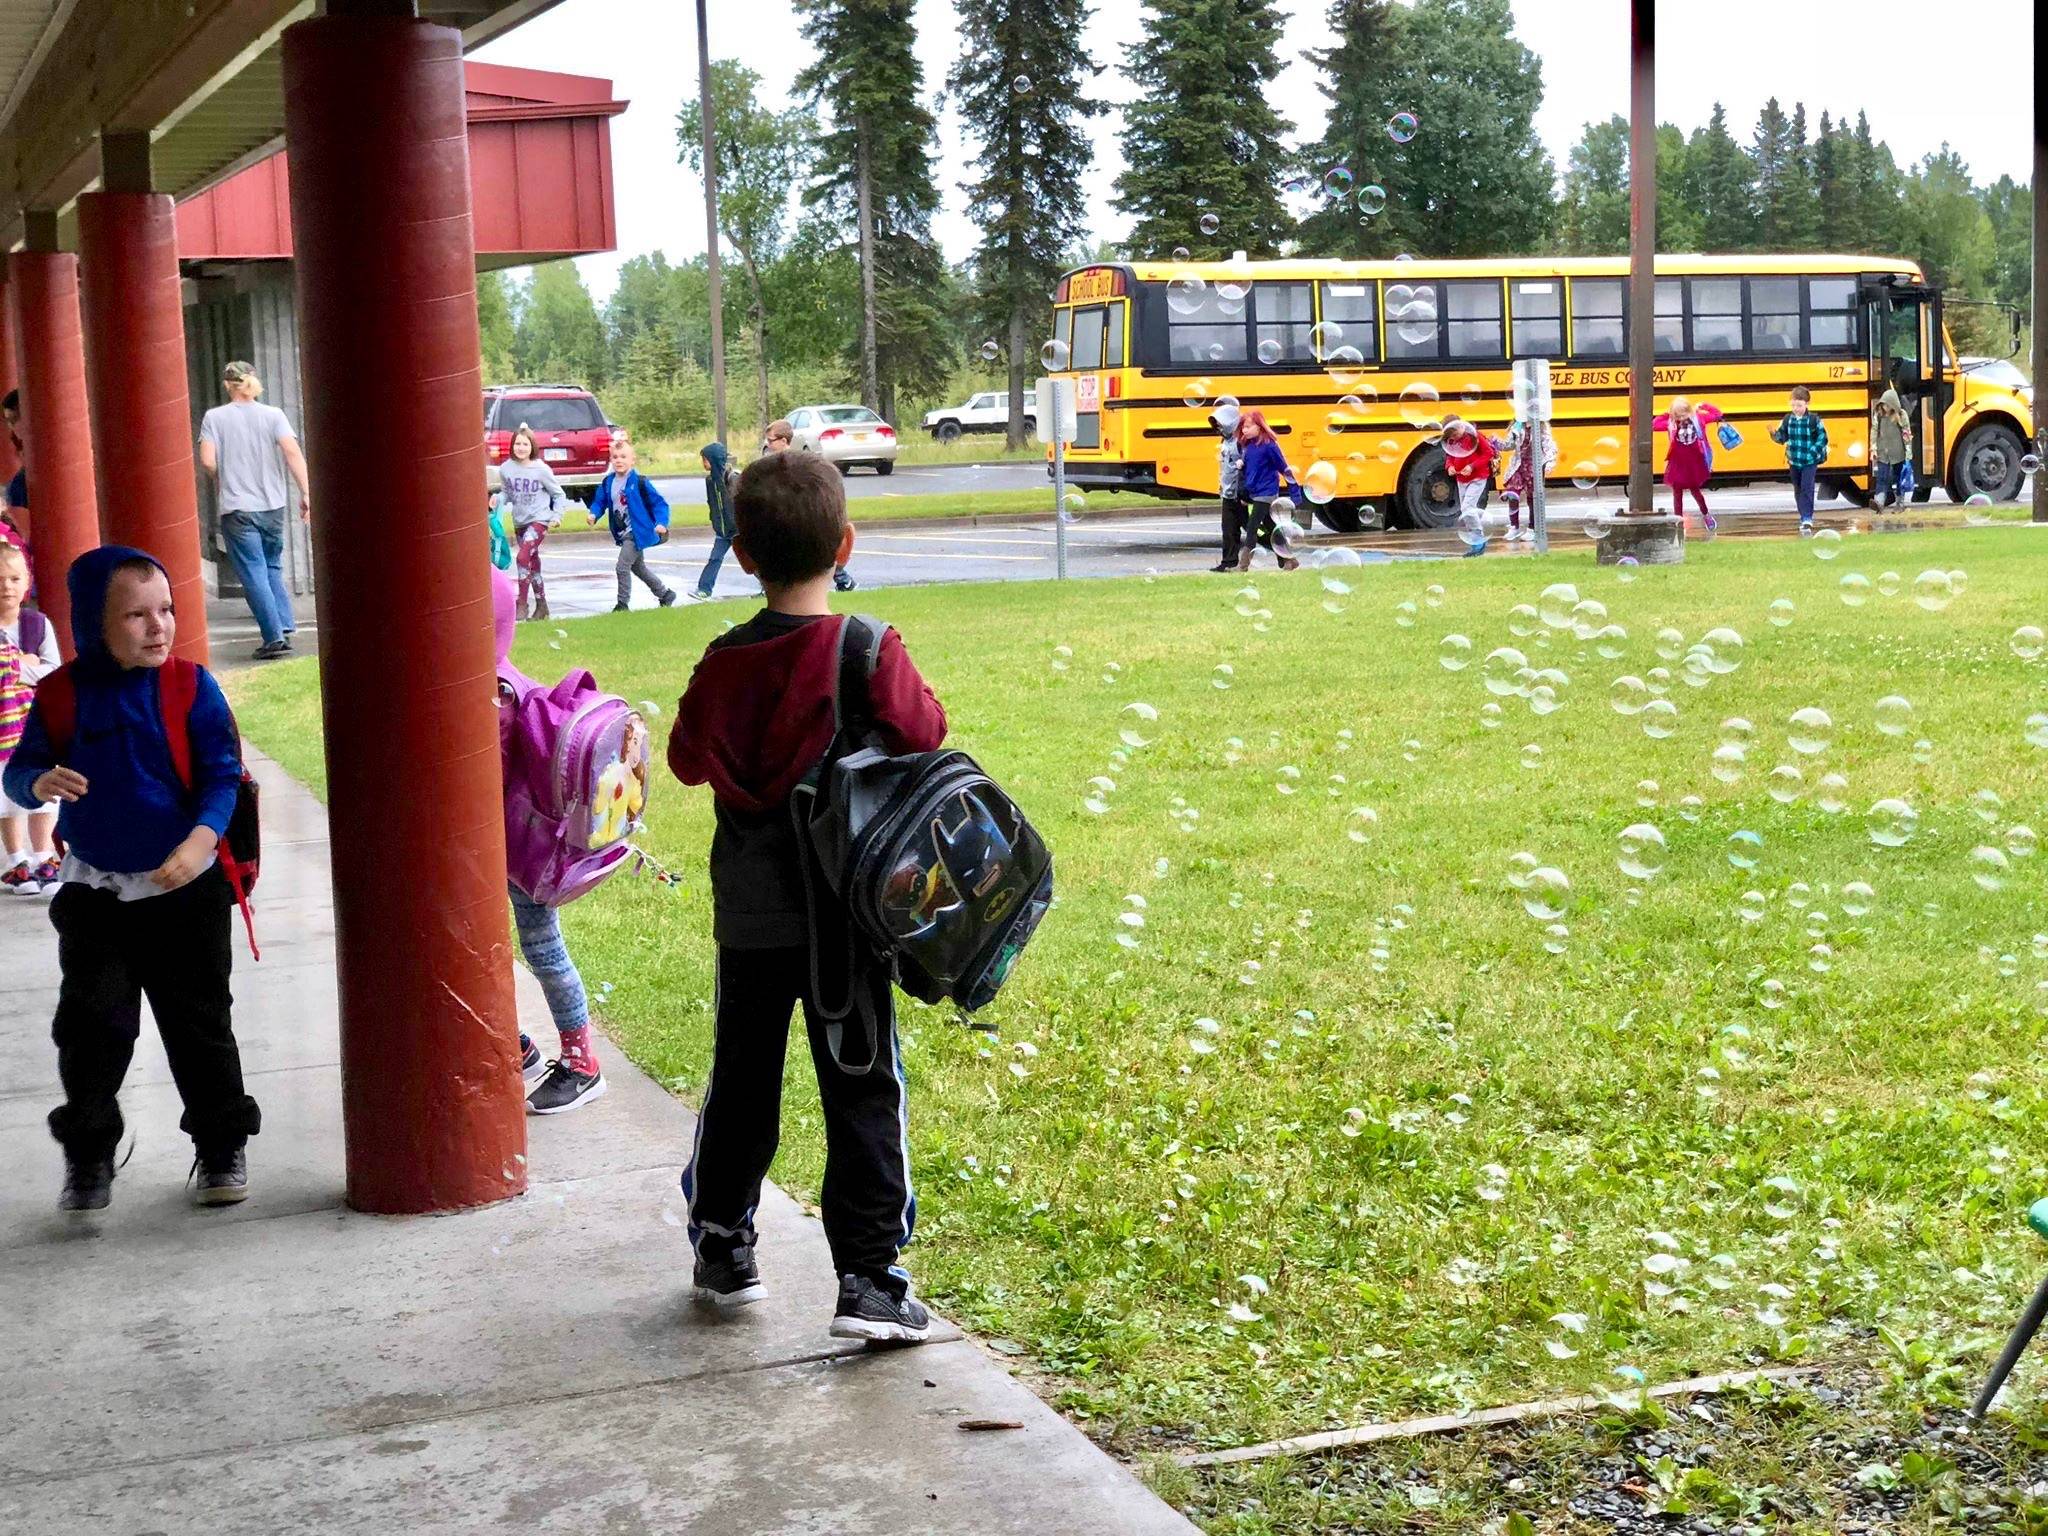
pixel 988 411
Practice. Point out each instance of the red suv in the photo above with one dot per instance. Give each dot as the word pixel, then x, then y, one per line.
pixel 570 433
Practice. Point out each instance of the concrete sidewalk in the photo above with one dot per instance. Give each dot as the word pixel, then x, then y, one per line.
pixel 291 1366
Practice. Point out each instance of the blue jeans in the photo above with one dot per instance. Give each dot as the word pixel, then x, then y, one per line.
pixel 709 576
pixel 1802 491
pixel 1885 483
pixel 547 956
pixel 255 543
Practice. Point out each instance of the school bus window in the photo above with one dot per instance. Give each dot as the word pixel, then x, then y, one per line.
pixel 1831 321
pixel 1211 331
pixel 1063 327
pixel 1774 314
pixel 1716 314
pixel 1596 317
pixel 1414 336
pixel 1088 337
pixel 1472 327
pixel 1286 312
pixel 1350 306
pixel 1538 318
pixel 1113 351
pixel 1670 327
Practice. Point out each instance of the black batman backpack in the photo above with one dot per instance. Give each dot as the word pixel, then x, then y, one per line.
pixel 933 864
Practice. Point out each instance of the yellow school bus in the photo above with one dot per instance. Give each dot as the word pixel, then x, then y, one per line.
pixel 1356 365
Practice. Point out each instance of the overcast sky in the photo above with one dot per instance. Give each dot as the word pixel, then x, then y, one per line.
pixel 1923 79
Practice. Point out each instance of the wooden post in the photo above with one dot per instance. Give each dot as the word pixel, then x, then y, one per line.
pixel 711 227
pixel 2040 294
pixel 1642 249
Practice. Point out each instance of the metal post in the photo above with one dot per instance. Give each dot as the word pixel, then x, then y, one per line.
pixel 2040 368
pixel 1642 248
pixel 1059 504
pixel 1540 429
pixel 711 224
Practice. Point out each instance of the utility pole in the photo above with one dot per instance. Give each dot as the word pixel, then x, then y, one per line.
pixel 711 223
pixel 2040 294
pixel 1642 248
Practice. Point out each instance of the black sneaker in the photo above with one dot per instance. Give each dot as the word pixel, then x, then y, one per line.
pixel 843 579
pixel 529 1059
pixel 223 1177
pixel 269 651
pixel 730 1283
pixel 88 1185
pixel 563 1089
pixel 668 598
pixel 866 1311
pixel 618 607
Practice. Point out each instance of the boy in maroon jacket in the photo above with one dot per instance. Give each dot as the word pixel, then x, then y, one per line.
pixel 755 719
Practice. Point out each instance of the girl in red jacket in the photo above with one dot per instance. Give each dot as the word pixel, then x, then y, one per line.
pixel 1469 454
pixel 1689 459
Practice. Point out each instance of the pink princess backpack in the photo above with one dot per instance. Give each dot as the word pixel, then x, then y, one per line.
pixel 576 763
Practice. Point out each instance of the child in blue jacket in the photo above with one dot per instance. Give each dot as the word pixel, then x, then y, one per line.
pixel 638 516
pixel 144 909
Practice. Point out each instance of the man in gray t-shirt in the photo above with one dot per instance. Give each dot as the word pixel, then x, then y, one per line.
pixel 253 456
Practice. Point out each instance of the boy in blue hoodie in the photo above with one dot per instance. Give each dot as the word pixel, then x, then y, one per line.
pixel 145 909
pixel 638 516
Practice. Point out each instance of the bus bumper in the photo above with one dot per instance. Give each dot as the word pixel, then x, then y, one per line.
pixel 1097 475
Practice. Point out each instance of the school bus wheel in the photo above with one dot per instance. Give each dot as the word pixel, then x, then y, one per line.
pixel 1987 460
pixel 1340 516
pixel 1429 496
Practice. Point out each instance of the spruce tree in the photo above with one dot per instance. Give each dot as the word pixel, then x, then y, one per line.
pixel 1723 183
pixel 1832 222
pixel 874 176
pixel 1202 142
pixel 1784 203
pixel 1475 180
pixel 1596 197
pixel 1799 227
pixel 1878 190
pixel 1678 220
pixel 1019 85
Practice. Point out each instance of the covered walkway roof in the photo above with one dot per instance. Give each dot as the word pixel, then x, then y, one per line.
pixel 202 78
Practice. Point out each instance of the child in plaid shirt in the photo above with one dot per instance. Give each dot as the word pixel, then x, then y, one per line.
pixel 1805 437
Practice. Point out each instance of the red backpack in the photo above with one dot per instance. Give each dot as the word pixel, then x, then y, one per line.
pixel 241 849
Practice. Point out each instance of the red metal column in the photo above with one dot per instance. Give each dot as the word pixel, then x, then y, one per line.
pixel 386 266
pixel 64 516
pixel 141 408
pixel 10 461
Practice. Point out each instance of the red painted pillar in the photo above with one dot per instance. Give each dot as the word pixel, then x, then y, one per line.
pixel 10 461
pixel 376 127
pixel 141 407
pixel 64 515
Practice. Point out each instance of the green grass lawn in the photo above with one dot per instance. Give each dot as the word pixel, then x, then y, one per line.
pixel 890 508
pixel 1335 1136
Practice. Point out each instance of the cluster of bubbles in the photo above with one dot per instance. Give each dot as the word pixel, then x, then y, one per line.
pixel 1339 182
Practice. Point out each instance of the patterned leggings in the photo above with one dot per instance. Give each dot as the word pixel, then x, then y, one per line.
pixel 547 956
pixel 526 559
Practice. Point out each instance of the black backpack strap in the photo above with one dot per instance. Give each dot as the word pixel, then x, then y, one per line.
pixel 860 650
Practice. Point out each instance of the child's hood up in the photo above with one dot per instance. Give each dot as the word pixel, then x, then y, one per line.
pixel 715 456
pixel 88 579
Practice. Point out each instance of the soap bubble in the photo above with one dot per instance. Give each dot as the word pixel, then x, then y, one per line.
pixel 1833 796
pixel 1021 85
pixel 1554 605
pixel 1180 253
pixel 1783 611
pixel 1670 643
pixel 1222 677
pixel 1586 474
pixel 1226 412
pixel 2028 642
pixel 1500 668
pixel 1691 808
pixel 1548 894
pixel 1556 937
pixel 1660 718
pixel 1855 589
pixel 1270 351
pixel 1724 650
pixel 1642 852
pixel 1737 730
pixel 1187 295
pixel 1933 590
pixel 1337 181
pixel 1419 402
pixel 1402 126
pixel 1629 695
pixel 1371 198
pixel 1811 733
pixel 2030 463
pixel 1894 714
pixel 1532 755
pixel 1522 621
pixel 1771 993
pixel 1728 760
pixel 1658 680
pixel 1347 366
pixel 1135 714
pixel 1520 867
pixel 1989 867
pixel 1072 505
pixel 1959 582
pixel 1319 482
pixel 1827 543
pixel 1588 615
pixel 2021 841
pixel 1751 907
pixel 1820 959
pixel 1891 823
pixel 1062 657
pixel 1055 354
pixel 1888 583
pixel 1472 529
pixel 1611 642
pixel 1543 699
pixel 1209 223
pixel 990 351
pixel 1786 783
pixel 1195 393
pixel 1745 848
pixel 1647 791
pixel 1405 613
pixel 1988 805
pixel 2036 730
pixel 1858 898
pixel 1454 653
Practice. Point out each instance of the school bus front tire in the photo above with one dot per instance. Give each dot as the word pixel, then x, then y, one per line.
pixel 1429 496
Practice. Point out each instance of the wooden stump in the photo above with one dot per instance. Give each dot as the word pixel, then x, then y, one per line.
pixel 1655 538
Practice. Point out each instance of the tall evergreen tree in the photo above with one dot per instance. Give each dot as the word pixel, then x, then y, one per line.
pixel 1947 232
pixel 1831 210
pixel 874 174
pixel 1596 182
pixel 1018 84
pixel 1678 221
pixel 1877 189
pixel 1723 184
pixel 1799 227
pixel 1475 180
pixel 1784 206
pixel 1202 141
pixel 2010 207
pixel 761 155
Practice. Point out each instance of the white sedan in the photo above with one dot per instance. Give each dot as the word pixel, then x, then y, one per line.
pixel 845 435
